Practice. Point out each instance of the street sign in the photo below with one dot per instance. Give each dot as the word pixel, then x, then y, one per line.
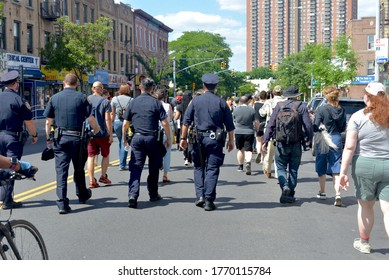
pixel 381 50
pixel 363 80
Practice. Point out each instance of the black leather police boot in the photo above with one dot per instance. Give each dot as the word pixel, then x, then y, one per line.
pixel 132 202
pixel 209 205
pixel 200 201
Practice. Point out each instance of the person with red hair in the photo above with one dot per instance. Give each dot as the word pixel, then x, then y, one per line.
pixel 367 148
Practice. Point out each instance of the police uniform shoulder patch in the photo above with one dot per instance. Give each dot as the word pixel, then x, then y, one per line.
pixel 27 105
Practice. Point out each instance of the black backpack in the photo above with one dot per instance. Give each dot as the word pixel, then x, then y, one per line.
pixel 288 123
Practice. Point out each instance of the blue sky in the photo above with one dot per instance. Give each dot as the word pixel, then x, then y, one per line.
pixel 225 17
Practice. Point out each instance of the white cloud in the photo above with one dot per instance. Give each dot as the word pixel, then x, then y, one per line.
pixel 232 5
pixel 232 30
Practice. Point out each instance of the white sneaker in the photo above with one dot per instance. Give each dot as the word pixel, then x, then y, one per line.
pixel 186 162
pixel 338 201
pixel 362 247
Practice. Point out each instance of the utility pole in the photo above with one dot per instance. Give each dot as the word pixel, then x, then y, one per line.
pixel 377 38
pixel 174 76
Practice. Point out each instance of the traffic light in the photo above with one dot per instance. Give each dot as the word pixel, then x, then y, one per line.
pixel 193 85
pixel 270 67
pixel 223 65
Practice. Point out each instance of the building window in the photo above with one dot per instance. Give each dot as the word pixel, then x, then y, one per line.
pixel 29 3
pixel 114 61
pixel 92 15
pixel 29 38
pixel 3 44
pixel 370 42
pixel 47 37
pixel 77 7
pixel 121 63
pixel 114 30
pixel 370 67
pixel 65 7
pixel 121 32
pixel 109 59
pixel 125 34
pixel 85 13
pixel 103 55
pixel 17 36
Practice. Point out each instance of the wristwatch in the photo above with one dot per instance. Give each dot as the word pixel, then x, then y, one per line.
pixel 182 138
pixel 36 135
pixel 14 162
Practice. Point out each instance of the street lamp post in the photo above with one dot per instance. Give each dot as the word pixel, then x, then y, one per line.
pixel 214 58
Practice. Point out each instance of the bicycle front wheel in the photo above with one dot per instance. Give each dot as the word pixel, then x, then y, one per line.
pixel 28 241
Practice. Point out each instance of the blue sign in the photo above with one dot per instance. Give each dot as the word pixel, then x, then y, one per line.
pixel 381 60
pixel 101 76
pixel 363 80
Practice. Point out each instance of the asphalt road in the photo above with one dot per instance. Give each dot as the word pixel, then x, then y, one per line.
pixel 249 223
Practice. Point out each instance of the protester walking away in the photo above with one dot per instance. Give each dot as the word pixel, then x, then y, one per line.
pixel 244 120
pixel 15 118
pixel 144 114
pixel 161 95
pixel 119 104
pixel 179 115
pixel 329 122
pixel 367 149
pixel 259 100
pixel 101 109
pixel 266 111
pixel 69 109
pixel 286 124
pixel 212 121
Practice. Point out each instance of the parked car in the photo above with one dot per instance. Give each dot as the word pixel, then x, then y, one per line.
pixel 312 105
pixel 350 105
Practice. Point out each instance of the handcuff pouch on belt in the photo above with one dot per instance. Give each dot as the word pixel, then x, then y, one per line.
pixel 221 135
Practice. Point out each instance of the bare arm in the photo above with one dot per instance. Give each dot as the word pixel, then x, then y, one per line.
pixel 31 128
pixel 348 153
pixel 108 122
pixel 49 121
pixel 166 127
pixel 93 123
pixel 126 126
pixel 184 135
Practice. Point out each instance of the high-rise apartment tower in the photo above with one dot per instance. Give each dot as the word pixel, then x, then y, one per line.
pixel 276 28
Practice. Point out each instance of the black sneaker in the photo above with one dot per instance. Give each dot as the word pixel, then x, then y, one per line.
pixel 12 205
pixel 200 201
pixel 209 205
pixel 84 200
pixel 132 202
pixel 284 195
pixel 65 210
pixel 240 168
pixel 155 198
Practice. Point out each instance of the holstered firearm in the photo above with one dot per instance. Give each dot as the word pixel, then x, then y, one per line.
pixel 192 135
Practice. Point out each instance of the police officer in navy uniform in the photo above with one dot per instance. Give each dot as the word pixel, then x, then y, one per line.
pixel 14 112
pixel 210 114
pixel 69 109
pixel 144 114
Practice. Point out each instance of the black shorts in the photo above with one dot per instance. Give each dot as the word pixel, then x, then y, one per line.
pixel 244 142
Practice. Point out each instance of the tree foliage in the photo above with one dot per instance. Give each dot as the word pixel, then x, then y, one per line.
pixel 75 46
pixel 260 73
pixel 325 65
pixel 199 48
pixel 156 67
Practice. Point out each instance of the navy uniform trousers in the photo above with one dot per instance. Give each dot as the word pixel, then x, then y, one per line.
pixel 65 150
pixel 142 146
pixel 9 147
pixel 212 154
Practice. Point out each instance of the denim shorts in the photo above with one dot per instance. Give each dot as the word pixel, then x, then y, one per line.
pixel 330 163
pixel 371 178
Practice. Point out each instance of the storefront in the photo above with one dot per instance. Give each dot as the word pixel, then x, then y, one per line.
pixel 31 79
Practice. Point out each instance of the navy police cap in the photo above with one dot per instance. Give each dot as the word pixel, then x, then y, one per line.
pixel 211 79
pixel 9 77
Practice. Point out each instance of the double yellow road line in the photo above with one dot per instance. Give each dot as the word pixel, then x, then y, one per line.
pixel 52 185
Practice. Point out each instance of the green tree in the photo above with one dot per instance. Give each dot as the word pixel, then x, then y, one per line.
pixel 157 68
pixel 198 47
pixel 261 73
pixel 75 46
pixel 325 65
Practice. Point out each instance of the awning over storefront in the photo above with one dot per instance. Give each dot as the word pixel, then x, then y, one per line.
pixel 33 73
